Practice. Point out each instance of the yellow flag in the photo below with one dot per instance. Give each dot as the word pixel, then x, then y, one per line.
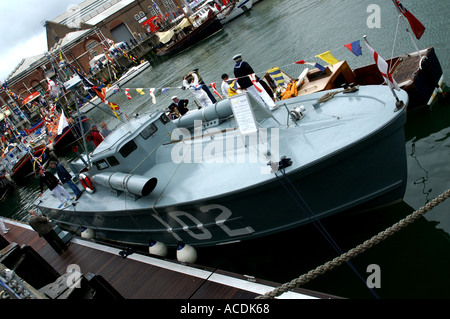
pixel 328 57
pixel 140 91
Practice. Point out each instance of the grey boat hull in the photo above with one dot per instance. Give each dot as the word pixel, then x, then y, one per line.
pixel 370 170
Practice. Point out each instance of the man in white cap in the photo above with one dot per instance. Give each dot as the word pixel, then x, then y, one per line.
pixel 243 71
pixel 190 82
pixel 179 105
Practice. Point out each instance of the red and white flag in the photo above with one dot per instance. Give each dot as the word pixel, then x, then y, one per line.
pixel 152 94
pixel 127 92
pixel 255 83
pixel 383 67
pixel 213 85
pixel 417 27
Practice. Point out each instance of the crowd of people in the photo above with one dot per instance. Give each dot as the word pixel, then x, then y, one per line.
pixel 242 82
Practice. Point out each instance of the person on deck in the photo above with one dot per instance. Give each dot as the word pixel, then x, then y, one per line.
pixel 65 177
pixel 205 87
pixel 105 131
pixel 191 82
pixel 54 185
pixel 225 84
pixel 95 135
pixel 242 71
pixel 179 105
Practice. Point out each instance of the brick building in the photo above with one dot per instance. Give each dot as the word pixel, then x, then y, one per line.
pixel 74 38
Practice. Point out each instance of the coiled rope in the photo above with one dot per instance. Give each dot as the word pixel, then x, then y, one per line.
pixel 357 250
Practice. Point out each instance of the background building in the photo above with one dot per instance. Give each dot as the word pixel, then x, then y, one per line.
pixel 74 38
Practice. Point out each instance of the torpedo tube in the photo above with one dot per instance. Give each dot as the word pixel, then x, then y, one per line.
pixel 157 248
pixel 88 233
pixel 186 253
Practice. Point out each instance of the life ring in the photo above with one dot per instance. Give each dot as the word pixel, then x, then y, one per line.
pixel 87 183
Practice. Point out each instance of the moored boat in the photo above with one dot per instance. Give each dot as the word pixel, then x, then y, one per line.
pixel 204 179
pixel 181 40
pixel 22 160
pixel 418 73
pixel 131 73
pixel 234 9
pixel 71 134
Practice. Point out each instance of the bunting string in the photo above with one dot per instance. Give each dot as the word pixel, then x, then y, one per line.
pixel 327 56
pixel 354 47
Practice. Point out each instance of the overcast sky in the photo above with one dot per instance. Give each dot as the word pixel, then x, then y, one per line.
pixel 22 34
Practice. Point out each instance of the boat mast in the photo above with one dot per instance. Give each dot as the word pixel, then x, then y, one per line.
pixel 187 8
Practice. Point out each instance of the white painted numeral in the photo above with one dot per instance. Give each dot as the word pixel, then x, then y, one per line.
pixel 205 233
pixel 222 218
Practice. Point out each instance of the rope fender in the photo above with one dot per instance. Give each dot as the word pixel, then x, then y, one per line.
pixel 357 250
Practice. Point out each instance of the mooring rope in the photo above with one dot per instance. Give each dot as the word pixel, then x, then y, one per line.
pixel 357 250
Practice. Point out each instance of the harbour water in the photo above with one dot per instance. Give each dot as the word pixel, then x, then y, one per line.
pixel 415 262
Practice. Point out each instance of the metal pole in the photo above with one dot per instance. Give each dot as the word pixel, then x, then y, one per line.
pixel 81 128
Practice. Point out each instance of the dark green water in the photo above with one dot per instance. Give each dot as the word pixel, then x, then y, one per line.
pixel 414 263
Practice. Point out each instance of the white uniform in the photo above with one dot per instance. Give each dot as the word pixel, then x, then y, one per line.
pixel 198 92
pixel 225 86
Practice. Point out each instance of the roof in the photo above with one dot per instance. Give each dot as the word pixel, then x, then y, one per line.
pixel 25 64
pixel 70 37
pixel 91 12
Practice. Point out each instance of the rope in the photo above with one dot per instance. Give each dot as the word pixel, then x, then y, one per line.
pixel 357 250
pixel 318 224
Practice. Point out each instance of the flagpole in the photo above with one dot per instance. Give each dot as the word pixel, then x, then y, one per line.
pixel 407 29
pixel 398 104
pixel 80 123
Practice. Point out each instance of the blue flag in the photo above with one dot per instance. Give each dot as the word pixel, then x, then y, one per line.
pixel 321 68
pixel 355 47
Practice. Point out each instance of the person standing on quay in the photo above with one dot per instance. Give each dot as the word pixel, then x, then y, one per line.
pixel 45 229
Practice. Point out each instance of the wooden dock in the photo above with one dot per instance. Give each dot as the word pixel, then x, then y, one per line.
pixel 140 276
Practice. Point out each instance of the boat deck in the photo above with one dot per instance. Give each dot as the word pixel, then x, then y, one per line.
pixel 141 276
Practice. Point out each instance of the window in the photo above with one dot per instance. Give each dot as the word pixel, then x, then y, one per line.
pixel 112 160
pixel 164 119
pixel 169 5
pixel 139 16
pixel 128 148
pixel 101 164
pixel 153 11
pixel 149 131
pixel 91 45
